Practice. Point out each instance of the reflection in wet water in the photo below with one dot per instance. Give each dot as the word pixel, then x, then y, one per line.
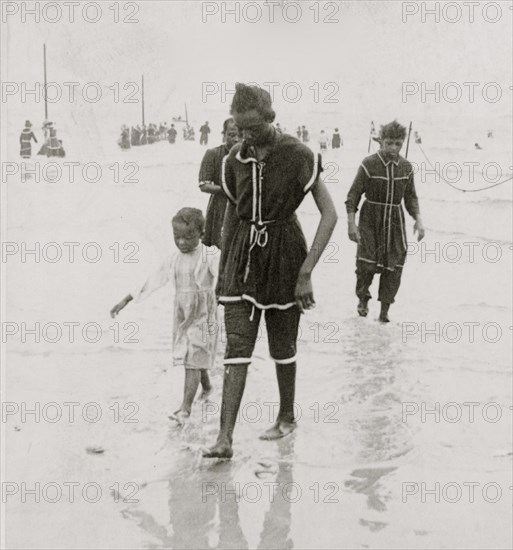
pixel 368 484
pixel 350 455
pixel 372 393
pixel 205 503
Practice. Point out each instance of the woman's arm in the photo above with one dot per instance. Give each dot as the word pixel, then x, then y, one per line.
pixel 353 200
pixel 212 188
pixel 411 202
pixel 324 202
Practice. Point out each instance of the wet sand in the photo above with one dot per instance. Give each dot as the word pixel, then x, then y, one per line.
pixel 345 479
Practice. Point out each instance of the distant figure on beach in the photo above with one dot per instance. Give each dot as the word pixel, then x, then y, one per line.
pixel 26 137
pixel 299 132
pixel 46 138
pixel 490 134
pixel 304 134
pixel 204 131
pixel 192 271
pixel 124 140
pixel 268 269
pixel 418 139
pixel 144 135
pixel 210 182
pixel 133 136
pixel 171 134
pixel 188 133
pixel 386 179
pixel 477 146
pixel 62 153
pixel 323 141
pixel 151 133
pixel 336 140
pixel 53 146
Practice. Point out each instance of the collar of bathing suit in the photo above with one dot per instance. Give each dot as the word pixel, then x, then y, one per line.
pixel 387 162
pixel 247 153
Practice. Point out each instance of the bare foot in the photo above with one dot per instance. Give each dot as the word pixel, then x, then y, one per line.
pixel 384 319
pixel 219 450
pixel 206 393
pixel 279 430
pixel 180 417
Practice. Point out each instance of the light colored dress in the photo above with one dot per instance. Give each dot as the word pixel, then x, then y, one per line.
pixel 195 322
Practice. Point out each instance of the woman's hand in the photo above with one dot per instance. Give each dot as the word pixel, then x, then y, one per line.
pixel 304 292
pixel 419 226
pixel 354 233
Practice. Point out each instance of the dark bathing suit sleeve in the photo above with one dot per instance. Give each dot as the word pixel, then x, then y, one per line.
pixel 228 182
pixel 410 198
pixel 355 193
pixel 207 168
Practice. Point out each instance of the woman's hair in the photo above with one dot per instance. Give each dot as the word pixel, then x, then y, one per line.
pixel 392 130
pixel 191 217
pixel 247 98
pixel 226 123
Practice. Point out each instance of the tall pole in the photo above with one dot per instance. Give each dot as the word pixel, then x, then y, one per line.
pixel 45 88
pixel 408 142
pixel 370 136
pixel 142 97
pixel 186 116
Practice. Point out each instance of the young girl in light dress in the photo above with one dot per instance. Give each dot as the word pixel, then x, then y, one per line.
pixel 193 273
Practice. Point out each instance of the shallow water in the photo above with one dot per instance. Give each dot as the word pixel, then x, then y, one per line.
pixel 358 470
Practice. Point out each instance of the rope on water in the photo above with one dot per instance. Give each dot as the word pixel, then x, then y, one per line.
pixel 459 188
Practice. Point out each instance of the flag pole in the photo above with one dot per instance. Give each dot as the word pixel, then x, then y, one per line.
pixel 45 86
pixel 370 136
pixel 408 141
pixel 142 97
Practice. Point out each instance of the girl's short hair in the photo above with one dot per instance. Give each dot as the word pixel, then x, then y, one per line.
pixel 392 130
pixel 191 217
pixel 247 98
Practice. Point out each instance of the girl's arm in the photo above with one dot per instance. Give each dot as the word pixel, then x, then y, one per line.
pixel 324 202
pixel 155 281
pixel 118 307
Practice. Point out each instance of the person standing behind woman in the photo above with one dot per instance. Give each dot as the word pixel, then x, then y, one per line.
pixel 210 182
pixel 268 268
pixel 386 178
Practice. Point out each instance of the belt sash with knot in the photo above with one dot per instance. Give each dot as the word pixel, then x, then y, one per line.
pixel 258 236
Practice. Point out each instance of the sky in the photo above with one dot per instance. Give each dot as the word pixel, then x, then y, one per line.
pixel 360 61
